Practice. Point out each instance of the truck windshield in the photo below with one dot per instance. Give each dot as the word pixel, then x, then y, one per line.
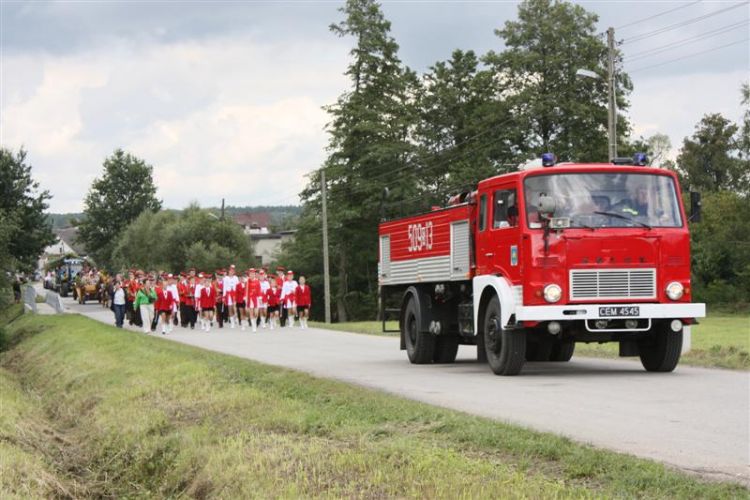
pixel 598 200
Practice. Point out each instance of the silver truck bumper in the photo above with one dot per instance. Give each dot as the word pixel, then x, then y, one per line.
pixel 591 311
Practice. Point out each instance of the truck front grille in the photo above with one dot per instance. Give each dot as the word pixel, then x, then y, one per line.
pixel 612 284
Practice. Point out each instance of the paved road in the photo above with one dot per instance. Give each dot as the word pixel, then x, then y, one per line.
pixel 695 419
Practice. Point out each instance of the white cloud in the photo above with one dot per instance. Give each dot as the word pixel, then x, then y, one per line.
pixel 227 117
pixel 674 104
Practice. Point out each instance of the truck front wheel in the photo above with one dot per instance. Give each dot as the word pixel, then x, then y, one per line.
pixel 660 351
pixel 420 346
pixel 506 350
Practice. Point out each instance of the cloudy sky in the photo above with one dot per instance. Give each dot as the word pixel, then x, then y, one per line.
pixel 224 98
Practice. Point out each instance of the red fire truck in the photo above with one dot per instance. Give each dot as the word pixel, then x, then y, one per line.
pixel 532 262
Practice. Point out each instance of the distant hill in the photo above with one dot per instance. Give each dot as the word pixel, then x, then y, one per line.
pixel 60 221
pixel 282 216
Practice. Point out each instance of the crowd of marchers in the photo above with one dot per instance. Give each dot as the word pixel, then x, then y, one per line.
pixel 251 299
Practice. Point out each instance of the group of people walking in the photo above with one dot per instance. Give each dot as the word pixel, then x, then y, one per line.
pixel 251 298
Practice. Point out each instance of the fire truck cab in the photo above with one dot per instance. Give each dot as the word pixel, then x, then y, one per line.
pixel 533 262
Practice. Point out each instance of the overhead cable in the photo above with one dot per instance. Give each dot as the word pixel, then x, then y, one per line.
pixel 642 68
pixel 649 34
pixel 639 21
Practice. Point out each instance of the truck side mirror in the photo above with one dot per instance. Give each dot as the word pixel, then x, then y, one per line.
pixel 695 206
pixel 547 205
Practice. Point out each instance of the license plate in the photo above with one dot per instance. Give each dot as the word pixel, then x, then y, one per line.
pixel 619 311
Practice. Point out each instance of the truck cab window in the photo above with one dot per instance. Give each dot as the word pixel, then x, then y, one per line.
pixel 505 211
pixel 482 212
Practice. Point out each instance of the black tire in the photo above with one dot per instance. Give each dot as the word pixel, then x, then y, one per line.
pixel 562 350
pixel 420 346
pixel 446 349
pixel 539 351
pixel 660 351
pixel 506 350
pixel 481 353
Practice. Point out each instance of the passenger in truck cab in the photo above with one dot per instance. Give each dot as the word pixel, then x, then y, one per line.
pixel 636 204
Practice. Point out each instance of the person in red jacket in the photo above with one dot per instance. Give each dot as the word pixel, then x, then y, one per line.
pixel 240 299
pixel 273 299
pixel 164 305
pixel 208 302
pixel 186 289
pixel 254 299
pixel 304 301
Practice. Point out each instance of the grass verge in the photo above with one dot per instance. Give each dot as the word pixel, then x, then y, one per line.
pixel 367 327
pixel 719 341
pixel 146 417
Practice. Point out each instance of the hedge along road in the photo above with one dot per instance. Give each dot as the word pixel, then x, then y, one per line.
pixel 695 419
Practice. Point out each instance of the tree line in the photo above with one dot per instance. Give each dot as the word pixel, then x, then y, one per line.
pixel 472 116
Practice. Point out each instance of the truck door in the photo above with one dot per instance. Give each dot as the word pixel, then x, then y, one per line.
pixel 498 235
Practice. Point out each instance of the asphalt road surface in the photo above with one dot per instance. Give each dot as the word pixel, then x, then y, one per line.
pixel 695 419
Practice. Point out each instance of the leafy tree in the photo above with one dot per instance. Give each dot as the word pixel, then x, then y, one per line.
pixel 745 130
pixel 721 249
pixel 115 200
pixel 370 131
pixel 174 241
pixel 556 110
pixel 710 159
pixel 460 134
pixel 24 228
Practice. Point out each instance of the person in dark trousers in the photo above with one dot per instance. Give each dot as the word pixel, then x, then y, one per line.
pixel 119 303
pixel 17 290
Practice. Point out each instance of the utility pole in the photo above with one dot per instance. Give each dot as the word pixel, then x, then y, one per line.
pixel 222 210
pixel 326 273
pixel 612 115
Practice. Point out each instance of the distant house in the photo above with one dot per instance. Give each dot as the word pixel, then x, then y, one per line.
pixel 65 244
pixel 268 245
pixel 254 222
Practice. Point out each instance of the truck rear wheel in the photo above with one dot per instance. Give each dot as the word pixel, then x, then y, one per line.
pixel 446 349
pixel 562 350
pixel 660 351
pixel 420 346
pixel 540 350
pixel 506 350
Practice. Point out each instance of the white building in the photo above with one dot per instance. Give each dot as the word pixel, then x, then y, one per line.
pixel 268 245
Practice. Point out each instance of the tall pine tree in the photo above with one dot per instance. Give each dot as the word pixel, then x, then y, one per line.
pixel 370 129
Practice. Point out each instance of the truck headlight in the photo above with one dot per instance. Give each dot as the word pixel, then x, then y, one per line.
pixel 552 293
pixel 675 290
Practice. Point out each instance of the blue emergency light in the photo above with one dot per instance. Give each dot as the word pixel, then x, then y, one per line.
pixel 640 159
pixel 548 160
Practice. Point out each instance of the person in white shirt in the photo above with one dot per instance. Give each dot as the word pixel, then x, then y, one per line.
pixel 263 306
pixel 197 296
pixel 229 283
pixel 118 304
pixel 172 287
pixel 289 296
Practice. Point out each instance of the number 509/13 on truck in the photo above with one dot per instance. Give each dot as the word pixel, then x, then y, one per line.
pixel 532 262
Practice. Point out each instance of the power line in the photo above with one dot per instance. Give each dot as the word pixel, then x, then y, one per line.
pixel 657 15
pixel 688 56
pixel 444 161
pixel 685 41
pixel 680 24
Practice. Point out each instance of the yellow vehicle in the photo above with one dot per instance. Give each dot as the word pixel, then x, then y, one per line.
pixel 87 288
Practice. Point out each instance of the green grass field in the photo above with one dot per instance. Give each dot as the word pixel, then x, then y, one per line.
pixel 93 411
pixel 719 341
